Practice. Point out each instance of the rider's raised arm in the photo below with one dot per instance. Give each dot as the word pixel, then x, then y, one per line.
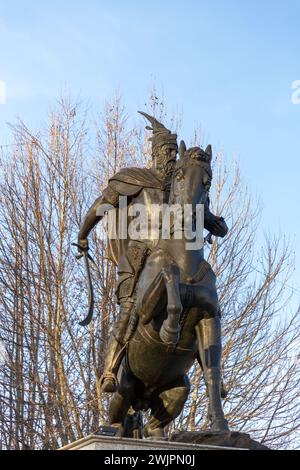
pixel 214 224
pixel 109 198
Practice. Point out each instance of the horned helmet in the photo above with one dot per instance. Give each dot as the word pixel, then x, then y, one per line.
pixel 164 145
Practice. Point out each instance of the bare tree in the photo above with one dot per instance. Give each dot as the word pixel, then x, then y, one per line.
pixel 49 385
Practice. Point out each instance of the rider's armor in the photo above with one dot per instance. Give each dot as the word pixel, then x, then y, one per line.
pixel 130 256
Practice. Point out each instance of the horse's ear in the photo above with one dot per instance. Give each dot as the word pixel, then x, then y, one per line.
pixel 208 151
pixel 182 149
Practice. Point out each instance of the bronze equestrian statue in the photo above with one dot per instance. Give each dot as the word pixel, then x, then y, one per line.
pixel 169 311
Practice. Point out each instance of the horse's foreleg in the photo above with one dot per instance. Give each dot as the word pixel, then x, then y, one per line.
pixel 117 412
pixel 208 333
pixel 170 329
pixel 148 299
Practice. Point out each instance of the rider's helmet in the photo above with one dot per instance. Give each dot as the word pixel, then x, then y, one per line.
pixel 164 145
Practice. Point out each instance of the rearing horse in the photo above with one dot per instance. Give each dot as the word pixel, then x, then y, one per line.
pixel 179 319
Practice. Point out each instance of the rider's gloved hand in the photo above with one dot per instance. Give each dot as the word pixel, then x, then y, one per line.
pixel 218 226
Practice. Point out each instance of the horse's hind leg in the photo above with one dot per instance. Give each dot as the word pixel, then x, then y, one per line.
pixel 121 401
pixel 117 412
pixel 166 405
pixel 210 349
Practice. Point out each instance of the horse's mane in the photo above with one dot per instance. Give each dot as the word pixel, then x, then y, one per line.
pixel 188 160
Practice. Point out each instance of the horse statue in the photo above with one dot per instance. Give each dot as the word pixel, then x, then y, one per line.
pixel 178 318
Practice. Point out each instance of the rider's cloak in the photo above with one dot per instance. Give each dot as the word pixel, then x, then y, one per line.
pixel 128 255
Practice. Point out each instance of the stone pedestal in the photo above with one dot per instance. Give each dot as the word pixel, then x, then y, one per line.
pixel 94 442
pixel 232 439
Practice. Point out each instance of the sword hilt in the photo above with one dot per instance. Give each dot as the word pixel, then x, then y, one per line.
pixel 208 239
pixel 82 253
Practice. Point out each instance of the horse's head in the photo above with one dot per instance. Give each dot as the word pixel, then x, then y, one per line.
pixel 192 176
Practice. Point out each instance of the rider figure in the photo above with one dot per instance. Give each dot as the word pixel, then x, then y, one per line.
pixel 144 186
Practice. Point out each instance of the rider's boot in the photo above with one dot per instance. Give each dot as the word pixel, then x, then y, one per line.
pixel 108 380
pixel 116 348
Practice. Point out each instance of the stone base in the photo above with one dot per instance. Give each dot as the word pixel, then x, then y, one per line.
pixel 94 442
pixel 232 439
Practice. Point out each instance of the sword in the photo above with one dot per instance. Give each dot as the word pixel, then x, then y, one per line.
pixel 87 257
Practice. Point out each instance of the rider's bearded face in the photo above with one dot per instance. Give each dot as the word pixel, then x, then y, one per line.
pixel 164 159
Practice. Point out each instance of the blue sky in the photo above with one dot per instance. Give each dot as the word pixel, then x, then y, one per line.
pixel 227 65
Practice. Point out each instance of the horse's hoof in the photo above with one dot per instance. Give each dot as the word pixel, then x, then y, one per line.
pixel 109 385
pixel 169 337
pixel 156 433
pixel 220 425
